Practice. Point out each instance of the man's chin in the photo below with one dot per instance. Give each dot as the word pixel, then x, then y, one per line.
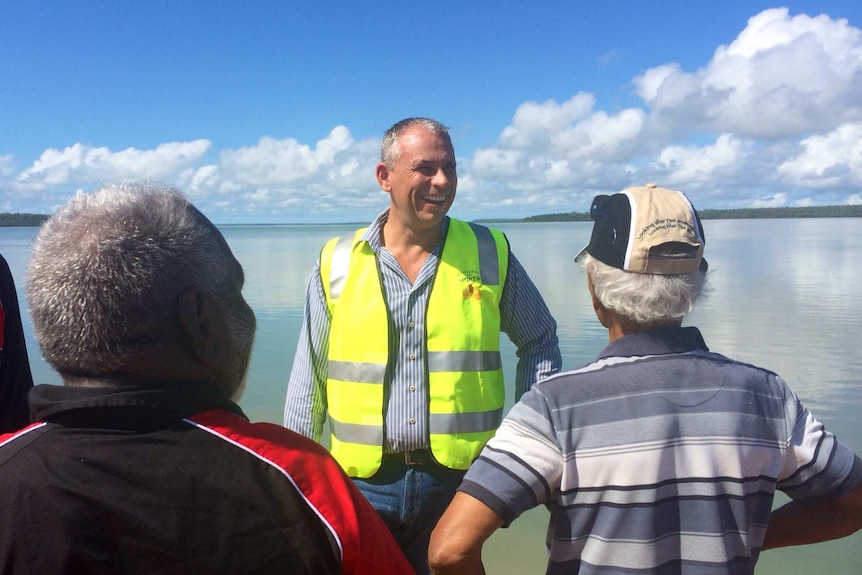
pixel 433 214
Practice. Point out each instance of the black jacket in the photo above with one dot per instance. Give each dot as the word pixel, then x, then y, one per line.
pixel 174 479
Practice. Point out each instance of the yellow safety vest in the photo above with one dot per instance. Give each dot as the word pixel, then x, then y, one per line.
pixel 465 375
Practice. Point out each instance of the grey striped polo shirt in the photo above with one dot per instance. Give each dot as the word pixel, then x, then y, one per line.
pixel 659 457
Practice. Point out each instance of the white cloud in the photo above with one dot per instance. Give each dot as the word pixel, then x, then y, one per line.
pixel 497 163
pixel 81 164
pixel 535 123
pixel 782 76
pixel 203 178
pixel 773 118
pixel 773 115
pixel 775 201
pixel 692 165
pixel 571 130
pixel 832 160
pixel 552 151
pixel 284 164
pixel 338 173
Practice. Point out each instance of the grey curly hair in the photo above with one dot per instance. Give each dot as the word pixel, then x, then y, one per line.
pixel 107 271
pixel 644 299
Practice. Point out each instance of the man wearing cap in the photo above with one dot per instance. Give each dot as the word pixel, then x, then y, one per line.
pixel 660 456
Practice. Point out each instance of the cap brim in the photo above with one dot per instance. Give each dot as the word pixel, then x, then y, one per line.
pixel 582 252
pixel 704 265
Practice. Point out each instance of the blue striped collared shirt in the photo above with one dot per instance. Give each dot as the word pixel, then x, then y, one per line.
pixel 524 317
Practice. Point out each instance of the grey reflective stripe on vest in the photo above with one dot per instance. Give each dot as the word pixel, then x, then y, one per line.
pixel 450 423
pixel 356 433
pixel 489 268
pixel 340 266
pixel 464 361
pixel 356 371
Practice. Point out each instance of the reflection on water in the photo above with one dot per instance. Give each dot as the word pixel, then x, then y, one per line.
pixel 784 295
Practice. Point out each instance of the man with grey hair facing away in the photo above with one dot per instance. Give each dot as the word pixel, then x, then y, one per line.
pixel 142 462
pixel 660 457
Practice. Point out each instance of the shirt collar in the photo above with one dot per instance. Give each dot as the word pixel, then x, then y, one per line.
pixel 656 342
pixel 374 233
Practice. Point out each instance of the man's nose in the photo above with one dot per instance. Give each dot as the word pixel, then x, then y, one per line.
pixel 440 179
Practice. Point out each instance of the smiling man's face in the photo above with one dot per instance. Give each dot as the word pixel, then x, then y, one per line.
pixel 423 181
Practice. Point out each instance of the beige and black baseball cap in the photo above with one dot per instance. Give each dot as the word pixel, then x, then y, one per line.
pixel 648 230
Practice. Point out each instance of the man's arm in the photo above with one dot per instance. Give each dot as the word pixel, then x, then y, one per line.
pixel 456 542
pixel 305 405
pixel 816 465
pixel 798 524
pixel 519 468
pixel 15 377
pixel 525 318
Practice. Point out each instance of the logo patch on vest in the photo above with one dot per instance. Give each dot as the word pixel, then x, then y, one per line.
pixel 472 279
pixel 471 291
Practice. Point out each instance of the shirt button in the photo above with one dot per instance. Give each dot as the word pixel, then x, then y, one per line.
pixel 412 420
pixel 412 388
pixel 412 356
pixel 411 324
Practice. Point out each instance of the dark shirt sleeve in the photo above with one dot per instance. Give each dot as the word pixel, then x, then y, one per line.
pixel 15 377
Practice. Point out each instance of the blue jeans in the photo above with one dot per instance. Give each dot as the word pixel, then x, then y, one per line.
pixel 411 499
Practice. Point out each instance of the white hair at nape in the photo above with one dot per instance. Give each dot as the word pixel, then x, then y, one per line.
pixel 107 270
pixel 644 299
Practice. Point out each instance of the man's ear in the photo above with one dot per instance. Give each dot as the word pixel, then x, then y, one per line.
pixel 202 322
pixel 382 172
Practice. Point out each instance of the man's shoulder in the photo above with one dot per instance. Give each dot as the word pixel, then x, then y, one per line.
pixel 615 373
pixel 14 442
pixel 347 235
pixel 473 225
pixel 482 232
pixel 265 439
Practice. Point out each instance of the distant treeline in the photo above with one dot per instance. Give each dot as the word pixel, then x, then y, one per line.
pixel 804 212
pixel 9 220
pixel 737 214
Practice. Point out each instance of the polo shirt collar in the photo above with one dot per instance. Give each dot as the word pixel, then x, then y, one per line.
pixel 656 342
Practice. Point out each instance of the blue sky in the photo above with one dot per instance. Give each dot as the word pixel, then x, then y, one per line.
pixel 273 111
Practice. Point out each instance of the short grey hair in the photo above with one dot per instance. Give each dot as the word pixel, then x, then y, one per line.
pixel 107 271
pixel 644 299
pixel 390 149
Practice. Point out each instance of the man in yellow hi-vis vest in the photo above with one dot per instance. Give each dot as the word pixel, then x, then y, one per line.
pixel 400 344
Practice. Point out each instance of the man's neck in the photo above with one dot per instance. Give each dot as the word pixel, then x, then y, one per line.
pixel 399 238
pixel 410 247
pixel 620 328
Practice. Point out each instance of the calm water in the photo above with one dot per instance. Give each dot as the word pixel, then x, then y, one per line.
pixel 784 295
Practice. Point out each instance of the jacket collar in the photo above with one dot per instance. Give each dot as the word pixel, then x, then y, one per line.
pixel 126 406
